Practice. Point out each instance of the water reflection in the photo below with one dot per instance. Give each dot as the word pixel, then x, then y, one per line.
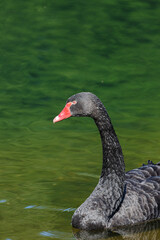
pixel 47 234
pixel 83 235
pixel 49 51
pixel 53 209
pixel 56 234
pixel 138 232
pixel 3 201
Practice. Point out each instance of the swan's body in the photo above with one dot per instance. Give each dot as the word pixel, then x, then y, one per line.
pixel 142 198
pixel 140 202
pixel 119 198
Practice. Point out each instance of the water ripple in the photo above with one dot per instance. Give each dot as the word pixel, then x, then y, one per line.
pixel 53 209
pixel 87 175
pixel 47 234
pixel 3 201
pixel 57 234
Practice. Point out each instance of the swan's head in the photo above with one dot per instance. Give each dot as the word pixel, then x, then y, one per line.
pixel 82 104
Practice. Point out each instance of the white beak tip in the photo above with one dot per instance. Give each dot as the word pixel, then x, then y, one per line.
pixel 56 119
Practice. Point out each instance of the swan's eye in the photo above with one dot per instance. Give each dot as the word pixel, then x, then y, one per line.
pixel 74 102
pixel 69 104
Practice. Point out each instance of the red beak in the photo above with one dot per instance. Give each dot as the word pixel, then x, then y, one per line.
pixel 66 113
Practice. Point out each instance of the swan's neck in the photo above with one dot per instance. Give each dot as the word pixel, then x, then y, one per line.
pixel 112 152
pixel 113 168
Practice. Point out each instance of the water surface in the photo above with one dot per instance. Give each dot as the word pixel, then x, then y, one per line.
pixel 51 50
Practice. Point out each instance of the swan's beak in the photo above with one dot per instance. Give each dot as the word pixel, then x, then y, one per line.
pixel 66 113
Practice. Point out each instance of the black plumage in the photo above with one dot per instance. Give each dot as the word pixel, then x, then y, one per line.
pixel 120 198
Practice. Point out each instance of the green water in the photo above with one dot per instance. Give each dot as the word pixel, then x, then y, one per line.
pixel 50 50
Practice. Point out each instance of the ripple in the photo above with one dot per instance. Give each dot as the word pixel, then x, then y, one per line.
pixel 53 209
pixel 87 175
pixel 3 201
pixel 31 206
pixel 47 234
pixel 57 234
pixel 68 210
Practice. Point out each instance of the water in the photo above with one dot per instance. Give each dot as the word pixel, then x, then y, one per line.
pixel 49 51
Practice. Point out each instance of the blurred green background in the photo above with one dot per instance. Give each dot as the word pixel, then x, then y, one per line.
pixel 50 50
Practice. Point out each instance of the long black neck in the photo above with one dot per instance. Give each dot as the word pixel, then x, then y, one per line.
pixel 112 152
pixel 113 168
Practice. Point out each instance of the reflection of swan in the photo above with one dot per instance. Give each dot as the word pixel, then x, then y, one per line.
pixel 145 231
pixel 119 199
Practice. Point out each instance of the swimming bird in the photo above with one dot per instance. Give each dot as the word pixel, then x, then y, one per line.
pixel 120 198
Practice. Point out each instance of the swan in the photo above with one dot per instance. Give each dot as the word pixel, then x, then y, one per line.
pixel 120 198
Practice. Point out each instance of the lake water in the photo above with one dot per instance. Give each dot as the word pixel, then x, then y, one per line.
pixel 50 50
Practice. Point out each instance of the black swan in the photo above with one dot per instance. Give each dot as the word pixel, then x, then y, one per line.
pixel 120 198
